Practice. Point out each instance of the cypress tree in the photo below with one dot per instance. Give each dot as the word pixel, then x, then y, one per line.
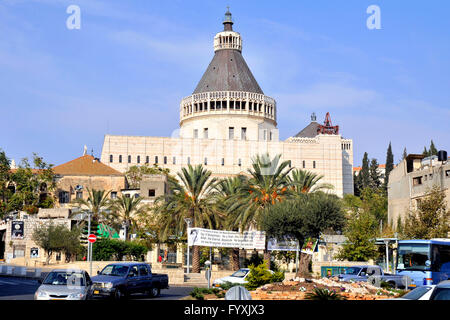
pixel 425 152
pixel 365 174
pixel 405 154
pixel 433 151
pixel 374 174
pixel 389 165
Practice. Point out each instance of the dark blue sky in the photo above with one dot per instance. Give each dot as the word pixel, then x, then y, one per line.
pixel 128 67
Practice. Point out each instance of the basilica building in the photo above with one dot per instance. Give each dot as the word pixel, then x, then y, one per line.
pixel 227 121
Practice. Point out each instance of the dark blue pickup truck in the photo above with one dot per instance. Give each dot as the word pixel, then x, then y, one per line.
pixel 118 280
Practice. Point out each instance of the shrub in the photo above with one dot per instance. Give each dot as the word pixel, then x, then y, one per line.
pixel 260 275
pixel 323 294
pixel 109 249
pixel 199 293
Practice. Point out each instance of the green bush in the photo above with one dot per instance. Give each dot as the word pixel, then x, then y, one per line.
pixel 323 294
pixel 260 275
pixel 110 249
pixel 199 293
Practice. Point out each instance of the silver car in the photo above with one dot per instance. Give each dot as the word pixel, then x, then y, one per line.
pixel 65 284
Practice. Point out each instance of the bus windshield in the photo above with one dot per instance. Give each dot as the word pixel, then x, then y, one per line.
pixel 414 256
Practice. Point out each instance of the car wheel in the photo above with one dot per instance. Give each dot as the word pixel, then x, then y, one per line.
pixel 154 292
pixel 119 294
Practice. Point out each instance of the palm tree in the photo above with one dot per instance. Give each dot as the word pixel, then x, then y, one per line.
pixel 225 190
pixel 97 204
pixel 303 181
pixel 188 199
pixel 126 211
pixel 267 185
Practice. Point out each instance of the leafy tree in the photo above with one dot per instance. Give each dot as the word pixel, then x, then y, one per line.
pixel 188 199
pixel 375 176
pixel 431 219
pixel 303 181
pixel 126 211
pixel 57 238
pixel 33 184
pixel 5 179
pixel 361 233
pixel 260 275
pixel 225 190
pixel 268 184
pixel 304 217
pixel 389 165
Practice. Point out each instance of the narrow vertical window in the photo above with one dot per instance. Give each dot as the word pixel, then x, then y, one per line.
pixel 156 159
pixel 304 164
pixel 147 159
pixel 314 164
pixel 223 161
pixel 174 161
pixel 165 160
pixel 243 133
pixel 205 133
pixel 129 159
pixel 138 159
pixel 206 161
pixel 195 133
pixel 231 133
pixel 111 158
pixel 120 158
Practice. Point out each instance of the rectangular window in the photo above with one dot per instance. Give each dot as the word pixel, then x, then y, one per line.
pixel 113 194
pixel 205 133
pixel 138 159
pixel 189 160
pixel 265 135
pixel 314 164
pixel 64 197
pixel 110 158
pixel 79 195
pixel 223 161
pixel 243 133
pixel 206 161
pixel 231 133
pixel 156 159
pixel 174 160
pixel 270 136
pixel 129 159
pixel 147 159
pixel 195 133
pixel 165 160
pixel 151 192
pixel 417 181
pixel 120 159
pixel 304 164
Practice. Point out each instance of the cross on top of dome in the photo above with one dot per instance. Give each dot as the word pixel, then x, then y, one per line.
pixel 228 21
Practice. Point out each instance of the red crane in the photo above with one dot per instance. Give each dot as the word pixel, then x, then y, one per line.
pixel 327 127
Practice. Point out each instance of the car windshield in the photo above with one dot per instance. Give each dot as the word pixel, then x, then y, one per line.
pixel 353 271
pixel 417 293
pixel 240 273
pixel 442 294
pixel 115 270
pixel 63 278
pixel 413 257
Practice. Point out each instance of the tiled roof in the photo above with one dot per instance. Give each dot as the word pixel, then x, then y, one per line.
pixel 85 165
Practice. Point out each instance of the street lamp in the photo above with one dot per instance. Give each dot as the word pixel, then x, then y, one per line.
pixel 208 272
pixel 89 248
pixel 188 222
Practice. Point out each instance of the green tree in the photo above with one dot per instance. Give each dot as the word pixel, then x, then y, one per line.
pixel 188 199
pixel 306 216
pixel 389 165
pixel 5 179
pixel 375 176
pixel 126 211
pixel 425 152
pixel 33 185
pixel 57 238
pixel 268 184
pixel 431 219
pixel 433 151
pixel 357 184
pixel 226 189
pixel 361 233
pixel 405 154
pixel 365 172
pixel 135 174
pixel 303 181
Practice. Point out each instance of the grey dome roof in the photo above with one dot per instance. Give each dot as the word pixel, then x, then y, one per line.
pixel 228 71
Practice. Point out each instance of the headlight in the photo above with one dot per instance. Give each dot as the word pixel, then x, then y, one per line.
pixel 41 294
pixel 108 285
pixel 76 296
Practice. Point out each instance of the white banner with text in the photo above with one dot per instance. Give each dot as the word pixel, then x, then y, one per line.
pixel 226 239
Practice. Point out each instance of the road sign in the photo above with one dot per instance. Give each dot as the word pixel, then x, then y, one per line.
pixel 92 238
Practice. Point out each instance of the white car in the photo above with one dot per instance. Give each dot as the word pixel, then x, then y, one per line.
pixel 238 277
pixel 419 293
pixel 62 284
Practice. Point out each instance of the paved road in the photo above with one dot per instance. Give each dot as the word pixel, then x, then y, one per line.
pixel 23 289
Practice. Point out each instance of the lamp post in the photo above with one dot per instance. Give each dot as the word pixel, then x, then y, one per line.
pixel 208 272
pixel 188 222
pixel 89 248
